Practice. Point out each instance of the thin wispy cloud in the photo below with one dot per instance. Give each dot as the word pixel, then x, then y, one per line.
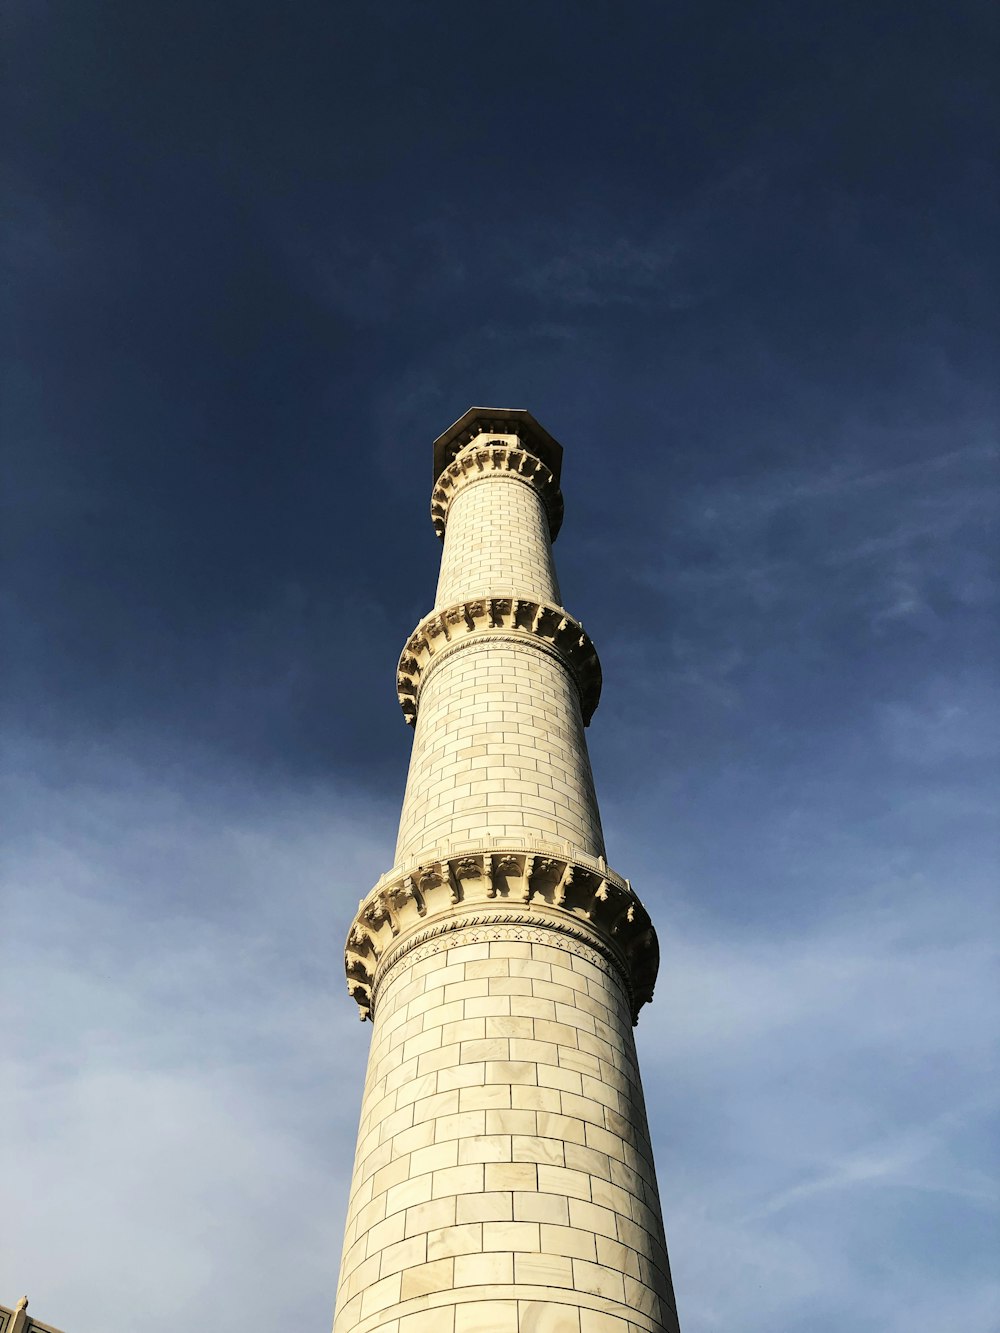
pixel 845 1083
pixel 903 1161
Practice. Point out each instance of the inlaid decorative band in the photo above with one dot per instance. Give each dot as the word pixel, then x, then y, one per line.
pixel 524 889
pixel 496 458
pixel 509 926
pixel 508 618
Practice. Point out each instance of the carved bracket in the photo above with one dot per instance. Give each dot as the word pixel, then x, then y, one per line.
pixel 590 903
pixel 477 460
pixel 537 621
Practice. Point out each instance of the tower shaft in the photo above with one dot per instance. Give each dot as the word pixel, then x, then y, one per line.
pixel 504 1179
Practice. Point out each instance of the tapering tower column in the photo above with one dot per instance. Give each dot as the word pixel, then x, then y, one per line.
pixel 504 1180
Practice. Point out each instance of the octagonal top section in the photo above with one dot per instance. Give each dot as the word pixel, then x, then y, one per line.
pixel 498 421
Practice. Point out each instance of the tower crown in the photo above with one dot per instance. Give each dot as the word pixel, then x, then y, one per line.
pixel 503 421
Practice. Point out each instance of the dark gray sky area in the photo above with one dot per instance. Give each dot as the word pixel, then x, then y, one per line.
pixel 741 259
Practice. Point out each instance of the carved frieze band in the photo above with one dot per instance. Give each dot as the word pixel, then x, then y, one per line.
pixel 512 926
pixel 505 617
pixel 503 890
pixel 496 457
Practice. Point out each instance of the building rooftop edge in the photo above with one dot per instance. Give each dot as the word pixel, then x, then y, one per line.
pixel 505 421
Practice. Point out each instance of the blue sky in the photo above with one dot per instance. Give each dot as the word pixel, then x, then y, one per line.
pixel 741 261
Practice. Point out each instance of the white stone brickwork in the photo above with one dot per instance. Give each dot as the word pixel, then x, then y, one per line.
pixel 499 751
pixel 504 1180
pixel 497 540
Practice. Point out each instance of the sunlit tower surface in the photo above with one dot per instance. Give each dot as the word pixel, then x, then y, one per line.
pixel 504 1180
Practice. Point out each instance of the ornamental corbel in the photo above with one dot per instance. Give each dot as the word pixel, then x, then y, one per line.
pixel 623 919
pixel 406 892
pixel 359 935
pixel 524 615
pixel 564 883
pixel 357 969
pixel 441 873
pixel 509 865
pixel 529 866
pixel 429 875
pixel 541 868
pixel 378 911
pixel 601 895
pixel 361 995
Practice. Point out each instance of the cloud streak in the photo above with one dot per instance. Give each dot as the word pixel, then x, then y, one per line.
pixel 821 1093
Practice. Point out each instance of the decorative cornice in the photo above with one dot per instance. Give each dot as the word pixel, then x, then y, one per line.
pixel 507 422
pixel 507 618
pixel 496 458
pixel 501 890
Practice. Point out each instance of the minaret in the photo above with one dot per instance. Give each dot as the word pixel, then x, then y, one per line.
pixel 504 1179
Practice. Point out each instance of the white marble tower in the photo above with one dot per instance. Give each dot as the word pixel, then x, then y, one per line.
pixel 504 1180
